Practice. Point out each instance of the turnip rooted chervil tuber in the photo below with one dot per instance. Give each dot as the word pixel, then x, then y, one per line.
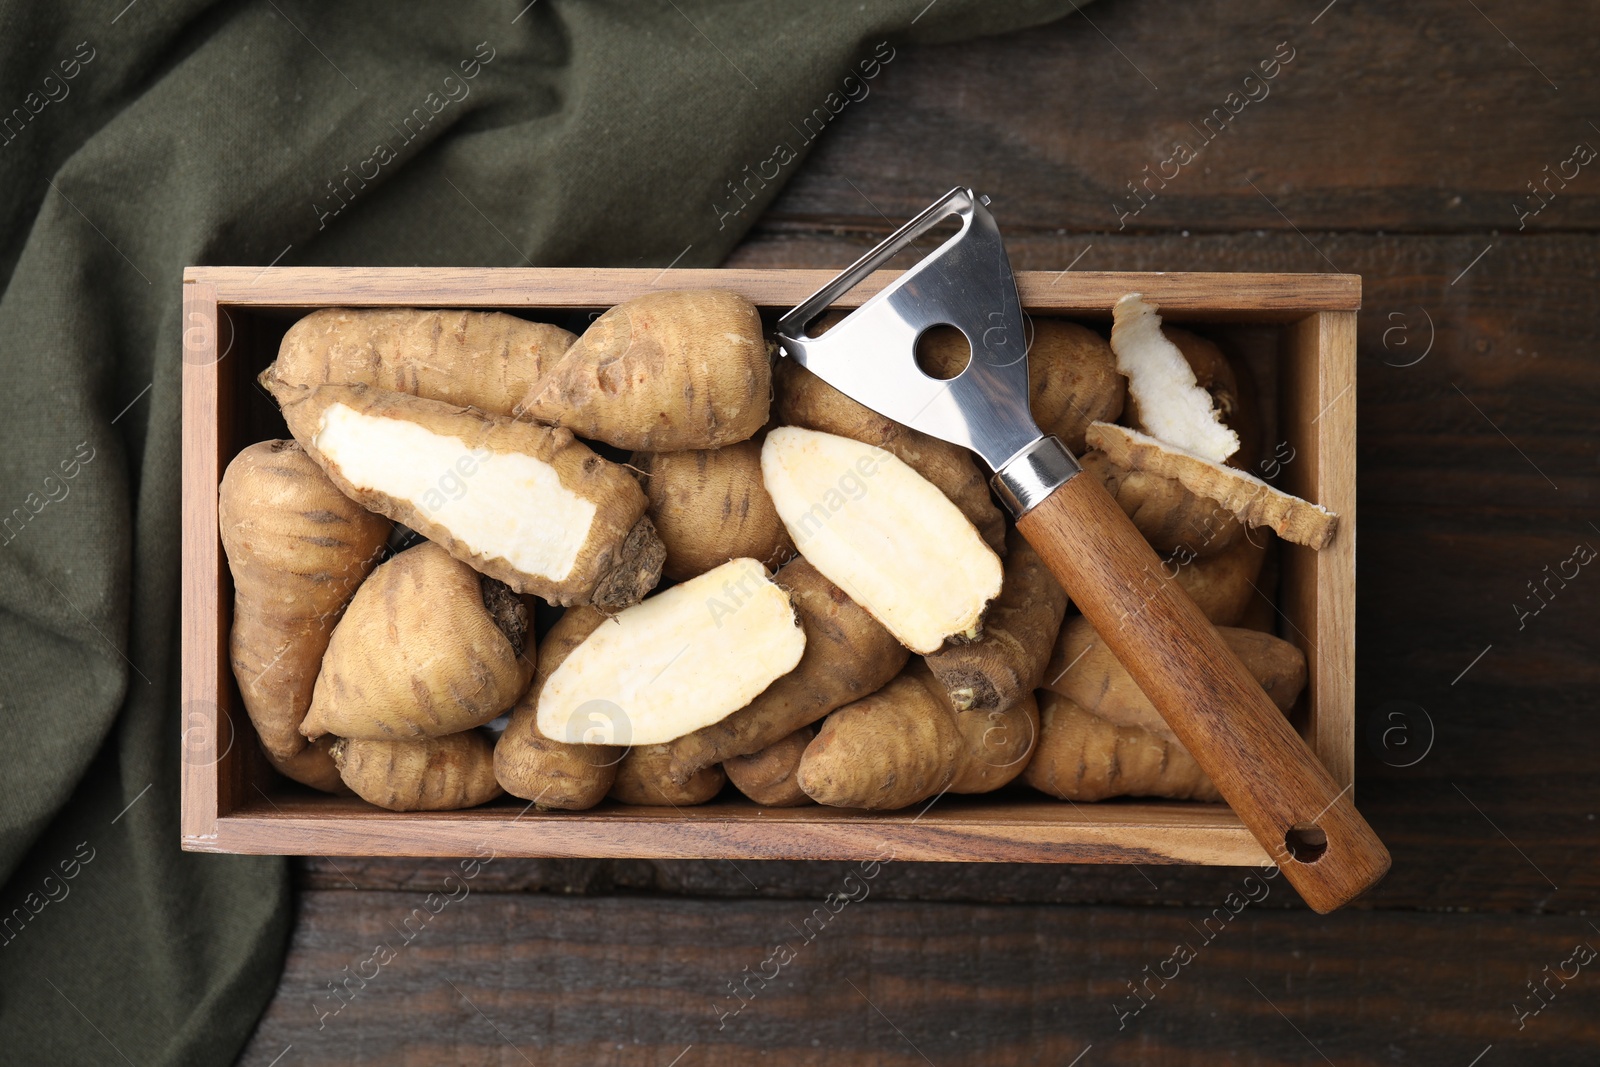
pixel 883 533
pixel 526 504
pixel 682 659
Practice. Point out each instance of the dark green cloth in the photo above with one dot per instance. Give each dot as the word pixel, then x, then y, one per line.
pixel 135 141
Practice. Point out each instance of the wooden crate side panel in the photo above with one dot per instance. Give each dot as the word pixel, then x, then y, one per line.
pixel 1319 400
pixel 204 419
pixel 1241 297
pixel 990 830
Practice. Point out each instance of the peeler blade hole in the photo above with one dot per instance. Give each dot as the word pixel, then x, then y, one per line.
pixel 943 352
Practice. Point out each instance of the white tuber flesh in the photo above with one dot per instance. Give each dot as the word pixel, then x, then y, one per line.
pixel 883 533
pixel 513 506
pixel 675 662
pixel 1171 403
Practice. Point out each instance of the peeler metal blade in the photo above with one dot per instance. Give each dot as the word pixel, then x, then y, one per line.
pixel 966 282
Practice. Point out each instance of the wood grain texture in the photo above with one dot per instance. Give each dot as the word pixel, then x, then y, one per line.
pixel 206 422
pixel 1421 117
pixel 617 981
pixel 1016 827
pixel 1204 692
pixel 1319 392
pixel 1259 297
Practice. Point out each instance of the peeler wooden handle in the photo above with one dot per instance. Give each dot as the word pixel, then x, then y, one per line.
pixel 1262 767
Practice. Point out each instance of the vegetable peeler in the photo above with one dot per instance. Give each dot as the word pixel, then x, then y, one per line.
pixel 1274 783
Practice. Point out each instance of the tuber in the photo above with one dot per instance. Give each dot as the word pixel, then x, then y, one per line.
pixel 312 766
pixel 1081 756
pixel 433 774
pixel 556 775
pixel 428 647
pixel 668 371
pixel 1223 585
pixel 1006 663
pixel 297 549
pixel 883 533
pixel 525 504
pixel 769 777
pixel 892 749
pixel 483 359
pixel 709 506
pixel 642 778
pixel 1085 669
pixel 683 659
pixel 996 745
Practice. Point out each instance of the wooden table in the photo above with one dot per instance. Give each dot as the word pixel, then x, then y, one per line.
pixel 1397 143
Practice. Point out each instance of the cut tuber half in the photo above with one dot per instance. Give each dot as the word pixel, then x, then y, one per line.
pixel 679 661
pixel 526 504
pixel 883 533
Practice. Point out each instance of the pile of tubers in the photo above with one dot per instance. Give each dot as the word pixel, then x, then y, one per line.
pixel 764 582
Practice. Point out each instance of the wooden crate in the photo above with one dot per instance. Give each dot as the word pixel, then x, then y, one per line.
pixel 232 802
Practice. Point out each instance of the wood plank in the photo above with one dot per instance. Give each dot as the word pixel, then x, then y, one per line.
pixel 1393 118
pixel 1016 828
pixel 508 979
pixel 1318 591
pixel 203 652
pixel 1240 296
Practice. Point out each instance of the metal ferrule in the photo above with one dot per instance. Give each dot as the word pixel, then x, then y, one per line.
pixel 1033 474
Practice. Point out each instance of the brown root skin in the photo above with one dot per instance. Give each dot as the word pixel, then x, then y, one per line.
pixel 1171 518
pixel 709 506
pixel 1082 757
pixel 886 751
pixel 435 774
pixel 635 570
pixel 769 777
pixel 298 550
pixel 848 655
pixel 996 745
pixel 1006 663
pixel 618 562
pixel 482 359
pixel 803 399
pixel 418 654
pixel 1223 585
pixel 1252 500
pixel 642 779
pixel 664 372
pixel 1085 670
pixel 509 613
pixel 1073 378
pixel 554 775
pixel 313 766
